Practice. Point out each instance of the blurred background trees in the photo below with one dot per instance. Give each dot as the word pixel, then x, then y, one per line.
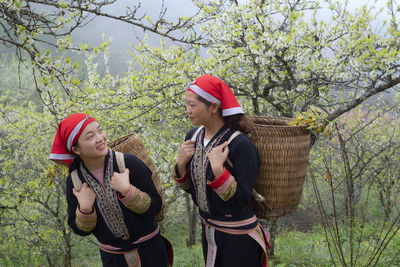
pixel 281 58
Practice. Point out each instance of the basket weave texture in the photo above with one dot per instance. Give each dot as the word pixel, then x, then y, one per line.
pixel 284 152
pixel 132 144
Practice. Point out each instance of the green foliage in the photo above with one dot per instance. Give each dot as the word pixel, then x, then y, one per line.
pixel 311 249
pixel 85 253
pixel 280 58
pixel 301 249
pixel 283 56
pixel 14 91
pixel 184 256
pixel 33 208
pixel 355 181
pixel 315 120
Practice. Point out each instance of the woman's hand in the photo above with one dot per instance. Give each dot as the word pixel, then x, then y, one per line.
pixel 86 198
pixel 186 152
pixel 217 156
pixel 120 182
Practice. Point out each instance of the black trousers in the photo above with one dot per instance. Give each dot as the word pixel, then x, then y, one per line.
pixel 234 250
pixel 154 253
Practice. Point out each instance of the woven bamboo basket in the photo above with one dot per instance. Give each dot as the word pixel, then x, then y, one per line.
pixel 284 152
pixel 132 144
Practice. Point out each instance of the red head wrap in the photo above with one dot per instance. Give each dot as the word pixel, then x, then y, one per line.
pixel 213 89
pixel 67 135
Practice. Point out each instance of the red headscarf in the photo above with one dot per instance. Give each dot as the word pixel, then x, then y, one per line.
pixel 67 135
pixel 213 89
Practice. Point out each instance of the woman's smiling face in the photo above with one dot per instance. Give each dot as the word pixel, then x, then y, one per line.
pixel 92 143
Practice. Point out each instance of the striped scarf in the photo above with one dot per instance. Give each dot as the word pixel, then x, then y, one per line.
pixel 107 199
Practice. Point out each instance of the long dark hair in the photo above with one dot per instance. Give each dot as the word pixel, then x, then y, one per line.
pixel 239 122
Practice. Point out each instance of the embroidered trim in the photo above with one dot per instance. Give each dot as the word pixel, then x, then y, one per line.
pixel 107 200
pixel 211 246
pixel 257 233
pixel 132 258
pixel 230 231
pixel 136 200
pixel 227 189
pixel 235 224
pixel 142 239
pixel 85 222
pixel 198 168
pixel 225 185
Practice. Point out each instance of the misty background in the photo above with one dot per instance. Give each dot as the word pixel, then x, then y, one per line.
pixel 125 36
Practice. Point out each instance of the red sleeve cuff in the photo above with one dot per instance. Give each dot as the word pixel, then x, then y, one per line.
pixel 182 179
pixel 220 180
pixel 129 195
pixel 83 214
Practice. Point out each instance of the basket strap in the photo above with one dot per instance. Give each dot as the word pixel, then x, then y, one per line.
pixel 257 196
pixel 120 161
pixel 196 133
pixel 236 133
pixel 76 181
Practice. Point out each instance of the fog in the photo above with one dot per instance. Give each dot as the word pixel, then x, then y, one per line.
pixel 123 35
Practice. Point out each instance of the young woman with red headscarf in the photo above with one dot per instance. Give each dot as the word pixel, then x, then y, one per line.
pixel 231 233
pixel 117 208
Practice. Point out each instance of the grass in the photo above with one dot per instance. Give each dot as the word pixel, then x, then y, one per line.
pixel 292 248
pixel 300 249
pixel 184 256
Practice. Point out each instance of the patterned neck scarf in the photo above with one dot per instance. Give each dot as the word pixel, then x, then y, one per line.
pixel 107 199
pixel 199 165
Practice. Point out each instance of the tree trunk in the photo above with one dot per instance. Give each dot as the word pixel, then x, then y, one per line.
pixel 270 226
pixel 68 248
pixel 384 198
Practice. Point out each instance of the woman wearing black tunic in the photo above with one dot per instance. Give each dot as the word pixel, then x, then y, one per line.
pixel 117 208
pixel 220 176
